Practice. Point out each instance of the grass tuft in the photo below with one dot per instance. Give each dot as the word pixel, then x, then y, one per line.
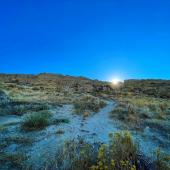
pixel 37 120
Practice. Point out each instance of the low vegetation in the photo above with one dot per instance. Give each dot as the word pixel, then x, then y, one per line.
pixel 143 111
pixel 141 105
pixel 88 104
pixel 162 161
pixel 148 87
pixel 37 120
pixel 18 140
pixel 120 154
pixel 126 113
pixel 20 108
pixel 14 160
pixel 59 132
pixel 156 105
pixel 4 99
pixel 76 154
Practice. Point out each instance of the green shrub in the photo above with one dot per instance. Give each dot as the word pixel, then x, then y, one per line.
pixel 35 120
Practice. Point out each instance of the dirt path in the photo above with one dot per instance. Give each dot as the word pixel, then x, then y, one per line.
pixel 100 123
pixel 9 119
pixel 94 128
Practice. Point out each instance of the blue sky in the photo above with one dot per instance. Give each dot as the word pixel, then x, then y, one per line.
pixel 99 39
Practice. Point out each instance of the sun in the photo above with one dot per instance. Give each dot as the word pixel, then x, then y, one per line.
pixel 116 81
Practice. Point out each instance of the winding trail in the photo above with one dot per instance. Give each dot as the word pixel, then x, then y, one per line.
pixel 94 128
pixel 100 123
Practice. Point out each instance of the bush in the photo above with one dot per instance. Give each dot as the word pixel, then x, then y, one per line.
pixel 88 103
pixel 121 153
pixel 162 161
pixel 35 121
pixel 76 155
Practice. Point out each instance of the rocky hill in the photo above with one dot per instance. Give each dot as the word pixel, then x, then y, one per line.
pixel 57 85
pixel 150 87
pixel 52 87
pixel 57 82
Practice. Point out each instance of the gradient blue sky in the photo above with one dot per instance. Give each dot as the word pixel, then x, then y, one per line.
pixel 94 38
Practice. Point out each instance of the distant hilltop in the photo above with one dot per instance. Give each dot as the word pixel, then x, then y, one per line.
pixel 63 82
pixel 42 75
pixel 151 87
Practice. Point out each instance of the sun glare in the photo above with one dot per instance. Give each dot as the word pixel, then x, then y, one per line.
pixel 116 81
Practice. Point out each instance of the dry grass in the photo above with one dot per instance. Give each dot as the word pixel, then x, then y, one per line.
pixel 143 111
pixel 18 139
pixel 120 154
pixel 87 104
pixel 154 104
pixel 162 161
pixel 14 159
